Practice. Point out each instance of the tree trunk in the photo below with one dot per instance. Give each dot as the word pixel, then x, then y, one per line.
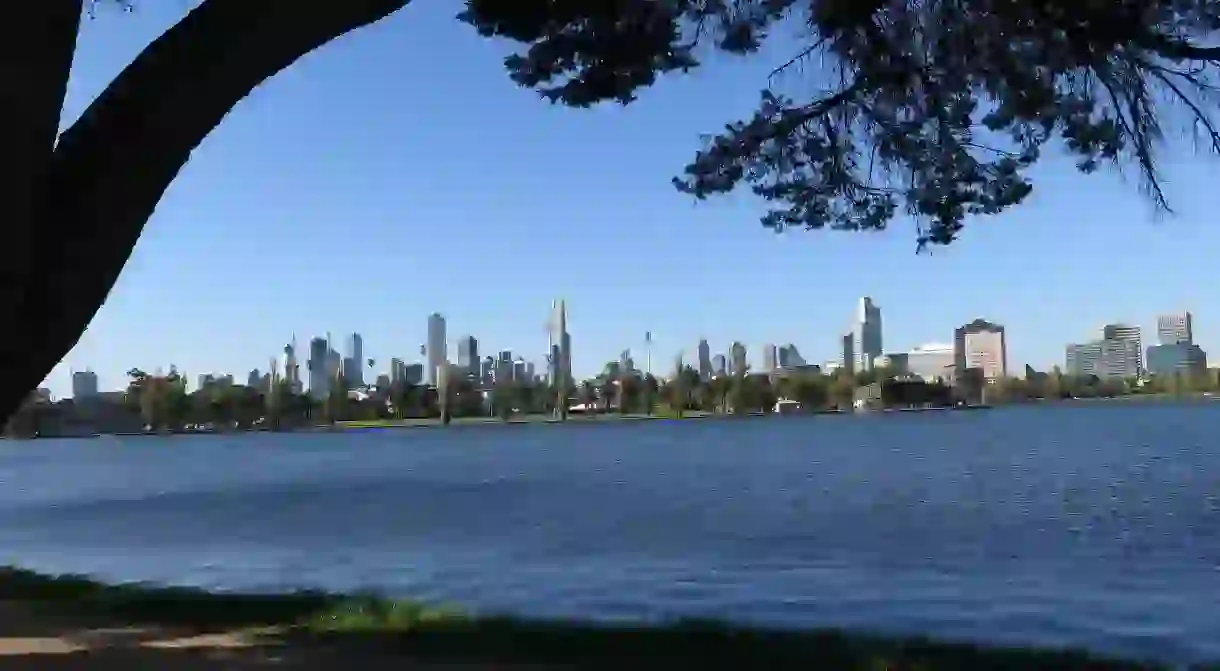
pixel 74 214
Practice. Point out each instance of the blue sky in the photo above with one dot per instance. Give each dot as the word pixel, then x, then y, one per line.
pixel 398 172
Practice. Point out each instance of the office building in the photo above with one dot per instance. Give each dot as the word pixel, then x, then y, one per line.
pixel 704 352
pixel 770 358
pixel 1178 358
pixel 468 356
pixel 398 371
pixel 353 372
pixel 737 359
pixel 435 348
pixel 1172 329
pixel 790 357
pixel 1084 359
pixel 867 344
pixel 84 385
pixel 894 363
pixel 414 374
pixel 932 362
pixel 847 351
pixel 1126 358
pixel 559 343
pixel 986 350
pixel 719 365
pixel 319 383
pixel 980 344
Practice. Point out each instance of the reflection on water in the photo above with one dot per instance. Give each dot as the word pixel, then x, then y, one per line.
pixel 1095 526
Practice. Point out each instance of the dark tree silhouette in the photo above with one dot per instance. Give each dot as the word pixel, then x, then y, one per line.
pixel 932 107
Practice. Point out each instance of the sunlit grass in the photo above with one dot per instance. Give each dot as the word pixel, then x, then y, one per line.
pixel 446 634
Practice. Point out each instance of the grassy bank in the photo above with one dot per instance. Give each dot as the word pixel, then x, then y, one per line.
pixel 443 635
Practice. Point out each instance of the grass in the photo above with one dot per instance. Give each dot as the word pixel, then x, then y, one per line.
pixel 447 635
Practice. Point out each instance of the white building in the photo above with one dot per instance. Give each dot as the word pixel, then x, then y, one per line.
pixel 931 362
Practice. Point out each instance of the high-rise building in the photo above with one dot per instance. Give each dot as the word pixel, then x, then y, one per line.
pixel 1081 359
pixel 559 343
pixel 770 358
pixel 989 345
pixel 319 382
pixel 84 385
pixel 468 356
pixel 867 345
pixel 737 359
pixel 292 368
pixel 719 365
pixel 398 371
pixel 254 378
pixel 986 350
pixel 790 357
pixel 1126 359
pixel 705 360
pixel 1172 329
pixel 353 369
pixel 435 349
pixel 847 352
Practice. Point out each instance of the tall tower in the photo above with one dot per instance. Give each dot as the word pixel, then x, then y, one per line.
pixel 434 349
pixel 867 346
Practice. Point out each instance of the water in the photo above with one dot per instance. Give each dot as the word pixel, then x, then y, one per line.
pixel 1094 526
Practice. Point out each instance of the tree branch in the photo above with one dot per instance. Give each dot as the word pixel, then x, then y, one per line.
pixel 36 51
pixel 111 168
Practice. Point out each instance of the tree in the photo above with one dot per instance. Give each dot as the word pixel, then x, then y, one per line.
pixel 933 107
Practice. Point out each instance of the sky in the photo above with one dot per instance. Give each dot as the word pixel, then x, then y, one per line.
pixel 398 172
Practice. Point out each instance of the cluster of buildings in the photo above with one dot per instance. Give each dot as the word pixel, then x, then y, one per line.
pixel 326 366
pixel 1119 353
pixel 979 346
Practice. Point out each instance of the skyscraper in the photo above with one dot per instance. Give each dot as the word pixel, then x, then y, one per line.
pixel 1125 359
pixel 434 349
pixel 353 369
pixel 1172 329
pixel 770 358
pixel 847 352
pixel 737 359
pixel 84 385
pixel 318 382
pixel 867 344
pixel 560 343
pixel 705 360
pixel 468 356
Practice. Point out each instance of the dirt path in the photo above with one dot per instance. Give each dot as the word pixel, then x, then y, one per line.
pixel 36 642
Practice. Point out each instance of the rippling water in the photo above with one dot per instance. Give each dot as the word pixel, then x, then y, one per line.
pixel 1096 525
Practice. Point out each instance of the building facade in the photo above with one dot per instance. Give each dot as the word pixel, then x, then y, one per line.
pixel 867 344
pixel 84 385
pixel 932 362
pixel 770 358
pixel 737 359
pixel 704 364
pixel 1176 359
pixel 1173 329
pixel 985 344
pixel 1124 344
pixel 468 360
pixel 435 347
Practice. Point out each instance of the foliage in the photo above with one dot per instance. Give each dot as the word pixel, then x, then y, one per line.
pixel 935 108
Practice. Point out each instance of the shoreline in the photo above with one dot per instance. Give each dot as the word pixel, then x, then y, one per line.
pixel 379 633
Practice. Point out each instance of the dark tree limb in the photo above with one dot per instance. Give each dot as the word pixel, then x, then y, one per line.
pixel 111 168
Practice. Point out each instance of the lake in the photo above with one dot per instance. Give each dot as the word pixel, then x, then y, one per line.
pixel 1087 525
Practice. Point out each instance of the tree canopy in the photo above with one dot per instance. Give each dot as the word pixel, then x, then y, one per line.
pixel 935 108
pixel 932 108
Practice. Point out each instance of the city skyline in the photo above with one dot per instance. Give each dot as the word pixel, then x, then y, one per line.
pixel 322 203
pixel 963 348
